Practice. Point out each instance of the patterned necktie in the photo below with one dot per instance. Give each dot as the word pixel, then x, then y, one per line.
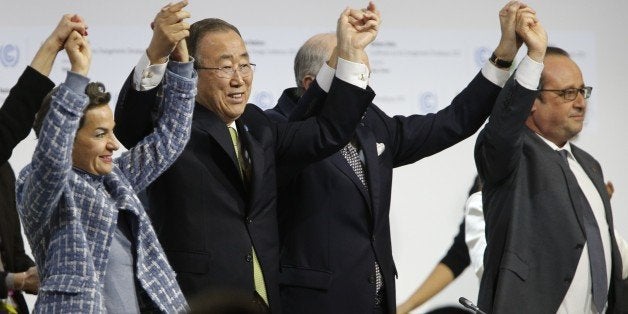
pixel 350 153
pixel 597 260
pixel 258 276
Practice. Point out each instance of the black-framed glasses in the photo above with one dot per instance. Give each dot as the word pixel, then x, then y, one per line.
pixel 228 71
pixel 570 94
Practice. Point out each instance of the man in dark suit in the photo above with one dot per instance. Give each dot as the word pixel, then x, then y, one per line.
pixel 214 210
pixel 551 245
pixel 17 271
pixel 336 254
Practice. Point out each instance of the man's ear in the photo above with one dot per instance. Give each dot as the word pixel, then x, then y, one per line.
pixel 307 80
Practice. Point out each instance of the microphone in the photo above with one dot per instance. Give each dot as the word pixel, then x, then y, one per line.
pixel 468 304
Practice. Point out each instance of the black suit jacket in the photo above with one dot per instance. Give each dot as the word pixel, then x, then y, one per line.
pixel 533 231
pixel 14 258
pixel 16 118
pixel 332 229
pixel 206 219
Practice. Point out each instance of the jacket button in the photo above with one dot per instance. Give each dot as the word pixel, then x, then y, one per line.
pixel 248 220
pixel 579 246
pixel 371 279
pixel 567 280
pixel 249 257
pixel 373 238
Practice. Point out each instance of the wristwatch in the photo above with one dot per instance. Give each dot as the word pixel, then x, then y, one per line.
pixel 502 64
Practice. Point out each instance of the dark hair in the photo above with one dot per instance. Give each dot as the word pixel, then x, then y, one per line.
pixel 202 27
pixel 552 51
pixel 96 92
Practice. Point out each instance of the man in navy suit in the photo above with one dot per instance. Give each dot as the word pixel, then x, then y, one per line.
pixel 551 245
pixel 214 210
pixel 336 254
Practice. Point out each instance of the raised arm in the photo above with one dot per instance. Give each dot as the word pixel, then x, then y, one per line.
pixel 154 154
pixel 40 184
pixel 498 148
pixel 300 143
pixel 19 109
pixel 137 105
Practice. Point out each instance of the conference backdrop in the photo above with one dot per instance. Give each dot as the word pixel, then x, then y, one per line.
pixel 425 54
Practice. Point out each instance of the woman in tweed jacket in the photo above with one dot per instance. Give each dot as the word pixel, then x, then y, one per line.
pixel 90 235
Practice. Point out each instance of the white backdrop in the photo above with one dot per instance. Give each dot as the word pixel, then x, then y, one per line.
pixel 426 52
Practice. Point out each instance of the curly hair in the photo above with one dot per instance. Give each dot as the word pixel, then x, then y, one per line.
pixel 96 92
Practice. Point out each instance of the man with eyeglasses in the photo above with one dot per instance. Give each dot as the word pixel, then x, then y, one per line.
pixel 214 210
pixel 551 245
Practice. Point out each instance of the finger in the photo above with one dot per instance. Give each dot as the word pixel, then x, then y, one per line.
pixel 77 19
pixel 176 17
pixel 178 6
pixel 371 7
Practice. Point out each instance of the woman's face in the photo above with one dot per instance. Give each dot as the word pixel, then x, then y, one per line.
pixel 95 142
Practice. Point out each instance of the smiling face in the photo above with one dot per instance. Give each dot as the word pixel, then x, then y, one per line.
pixel 95 142
pixel 553 117
pixel 227 97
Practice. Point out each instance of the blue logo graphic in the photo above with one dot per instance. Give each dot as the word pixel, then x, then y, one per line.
pixel 264 100
pixel 481 56
pixel 428 103
pixel 9 55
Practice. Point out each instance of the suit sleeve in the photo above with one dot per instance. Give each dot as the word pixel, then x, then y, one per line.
pixel 19 109
pixel 134 113
pixel 303 142
pixel 498 147
pixel 418 136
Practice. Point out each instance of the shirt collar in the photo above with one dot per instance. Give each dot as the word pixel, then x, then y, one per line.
pixel 555 147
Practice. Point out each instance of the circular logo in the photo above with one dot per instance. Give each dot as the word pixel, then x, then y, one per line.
pixel 9 55
pixel 264 100
pixel 428 103
pixel 481 56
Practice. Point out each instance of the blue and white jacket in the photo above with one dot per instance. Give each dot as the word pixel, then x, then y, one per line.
pixel 70 218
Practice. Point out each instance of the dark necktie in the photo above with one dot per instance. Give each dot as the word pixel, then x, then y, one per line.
pixel 597 260
pixel 350 153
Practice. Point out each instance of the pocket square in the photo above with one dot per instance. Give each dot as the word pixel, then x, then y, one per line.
pixel 380 148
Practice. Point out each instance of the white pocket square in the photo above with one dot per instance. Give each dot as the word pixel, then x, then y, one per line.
pixel 380 148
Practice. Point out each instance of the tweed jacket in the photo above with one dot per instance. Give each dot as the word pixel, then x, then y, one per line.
pixel 70 228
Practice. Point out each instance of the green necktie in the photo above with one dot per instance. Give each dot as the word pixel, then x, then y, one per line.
pixel 258 276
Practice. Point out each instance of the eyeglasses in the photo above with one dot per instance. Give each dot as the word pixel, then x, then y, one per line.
pixel 570 94
pixel 228 71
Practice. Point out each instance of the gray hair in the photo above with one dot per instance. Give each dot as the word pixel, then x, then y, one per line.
pixel 310 58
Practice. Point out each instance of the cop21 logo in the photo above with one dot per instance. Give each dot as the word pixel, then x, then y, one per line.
pixel 481 55
pixel 9 55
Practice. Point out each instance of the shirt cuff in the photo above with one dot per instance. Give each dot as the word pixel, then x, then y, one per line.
pixel 494 74
pixel 529 73
pixel 185 69
pixel 76 82
pixel 325 76
pixel 353 73
pixel 147 76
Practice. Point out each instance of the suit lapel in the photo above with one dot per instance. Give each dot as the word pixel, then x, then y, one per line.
pixel 254 155
pixel 368 147
pixel 341 163
pixel 210 123
pixel 595 177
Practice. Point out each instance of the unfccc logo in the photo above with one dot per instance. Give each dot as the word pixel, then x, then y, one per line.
pixel 9 55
